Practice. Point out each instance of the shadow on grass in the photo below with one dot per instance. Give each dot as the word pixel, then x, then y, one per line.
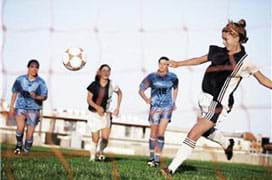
pixel 186 167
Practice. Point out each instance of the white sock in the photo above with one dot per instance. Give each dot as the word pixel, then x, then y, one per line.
pixel 93 151
pixel 218 137
pixel 183 153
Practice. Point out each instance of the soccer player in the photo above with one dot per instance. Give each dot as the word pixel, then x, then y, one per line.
pixel 162 103
pixel 228 65
pixel 99 96
pixel 28 91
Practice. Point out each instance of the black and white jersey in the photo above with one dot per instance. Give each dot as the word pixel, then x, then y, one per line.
pixel 102 95
pixel 225 73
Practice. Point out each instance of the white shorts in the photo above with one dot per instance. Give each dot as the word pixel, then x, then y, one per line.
pixel 96 122
pixel 210 109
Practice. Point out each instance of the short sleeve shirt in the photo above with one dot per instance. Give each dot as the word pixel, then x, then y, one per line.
pixel 23 86
pixel 161 88
pixel 225 72
pixel 102 95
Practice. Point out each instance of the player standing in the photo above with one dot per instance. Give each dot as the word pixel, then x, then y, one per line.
pixel 162 103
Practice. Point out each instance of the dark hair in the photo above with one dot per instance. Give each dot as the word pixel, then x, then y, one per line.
pixel 33 61
pixel 237 28
pixel 97 76
pixel 163 58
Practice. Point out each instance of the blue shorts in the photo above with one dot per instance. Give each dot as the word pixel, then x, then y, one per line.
pixel 156 114
pixel 32 117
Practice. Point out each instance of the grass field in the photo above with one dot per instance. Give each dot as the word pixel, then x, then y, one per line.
pixel 53 163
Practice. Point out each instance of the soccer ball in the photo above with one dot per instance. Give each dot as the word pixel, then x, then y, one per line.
pixel 74 59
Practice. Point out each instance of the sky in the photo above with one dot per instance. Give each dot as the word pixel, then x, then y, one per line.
pixel 131 36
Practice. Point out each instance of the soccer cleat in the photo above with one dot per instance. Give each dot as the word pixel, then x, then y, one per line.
pixel 26 151
pixel 150 162
pixel 166 173
pixel 229 150
pixel 17 150
pixel 154 164
pixel 101 157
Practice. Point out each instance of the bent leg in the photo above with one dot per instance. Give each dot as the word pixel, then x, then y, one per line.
pixel 29 138
pixel 105 139
pixel 20 122
pixel 189 143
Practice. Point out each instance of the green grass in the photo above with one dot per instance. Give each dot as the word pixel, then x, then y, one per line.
pixel 47 163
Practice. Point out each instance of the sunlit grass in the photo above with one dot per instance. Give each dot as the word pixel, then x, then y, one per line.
pixel 45 163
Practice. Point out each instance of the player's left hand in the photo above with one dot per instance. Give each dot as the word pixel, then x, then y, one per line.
pixel 33 95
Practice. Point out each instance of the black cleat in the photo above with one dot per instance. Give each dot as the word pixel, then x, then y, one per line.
pixel 17 150
pixel 101 157
pixel 149 162
pixel 153 164
pixel 229 150
pixel 166 173
pixel 26 151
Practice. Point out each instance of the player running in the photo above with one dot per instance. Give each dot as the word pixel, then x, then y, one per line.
pixel 28 91
pixel 228 66
pixel 99 97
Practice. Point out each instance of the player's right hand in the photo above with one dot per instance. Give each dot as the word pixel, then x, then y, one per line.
pixel 100 111
pixel 172 63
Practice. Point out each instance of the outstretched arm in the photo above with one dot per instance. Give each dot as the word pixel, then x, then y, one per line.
pixel 263 80
pixel 189 62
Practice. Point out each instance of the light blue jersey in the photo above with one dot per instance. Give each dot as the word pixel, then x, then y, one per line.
pixel 161 88
pixel 23 86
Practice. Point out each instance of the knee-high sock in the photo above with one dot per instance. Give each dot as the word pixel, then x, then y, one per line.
pixel 218 137
pixel 19 138
pixel 183 153
pixel 28 144
pixel 93 150
pixel 160 144
pixel 152 144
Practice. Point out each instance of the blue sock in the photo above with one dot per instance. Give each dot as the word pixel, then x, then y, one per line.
pixel 28 144
pixel 19 138
pixel 160 144
pixel 152 143
pixel 157 157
